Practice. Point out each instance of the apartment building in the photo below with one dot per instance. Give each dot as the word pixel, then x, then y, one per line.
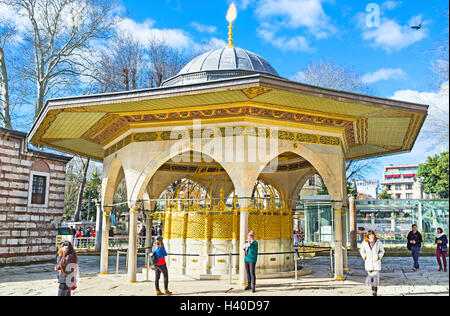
pixel 399 182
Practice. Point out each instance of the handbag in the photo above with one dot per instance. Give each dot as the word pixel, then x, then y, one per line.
pixel 444 249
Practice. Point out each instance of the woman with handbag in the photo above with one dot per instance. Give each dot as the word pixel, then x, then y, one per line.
pixel 442 249
pixel 372 251
pixel 67 267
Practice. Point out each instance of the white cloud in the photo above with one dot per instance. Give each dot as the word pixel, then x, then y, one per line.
pixel 18 22
pixel 438 120
pixel 299 77
pixel 145 31
pixel 430 140
pixel 175 38
pixel 295 43
pixel 390 5
pixel 383 74
pixel 212 44
pixel 296 13
pixel 202 28
pixel 438 101
pixel 391 36
pixel 241 4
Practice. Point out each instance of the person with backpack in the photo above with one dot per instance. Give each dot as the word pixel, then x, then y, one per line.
pixel 159 260
pixel 442 248
pixel 251 257
pixel 414 245
pixel 67 267
pixel 372 251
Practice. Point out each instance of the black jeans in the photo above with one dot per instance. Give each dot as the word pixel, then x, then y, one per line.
pixel 63 290
pixel 158 270
pixel 251 276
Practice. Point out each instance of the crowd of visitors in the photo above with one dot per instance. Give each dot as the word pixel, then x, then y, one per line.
pixel 79 236
pixel 371 250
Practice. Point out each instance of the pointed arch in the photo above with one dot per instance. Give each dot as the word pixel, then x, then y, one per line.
pixel 143 177
pixel 113 173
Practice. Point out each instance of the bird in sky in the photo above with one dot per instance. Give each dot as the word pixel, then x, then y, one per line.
pixel 418 27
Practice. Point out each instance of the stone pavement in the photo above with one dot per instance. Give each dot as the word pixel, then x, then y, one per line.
pixel 396 280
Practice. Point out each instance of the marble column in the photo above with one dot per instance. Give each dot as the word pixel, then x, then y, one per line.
pixel 353 228
pixel 243 232
pixel 338 252
pixel 105 242
pixel 132 246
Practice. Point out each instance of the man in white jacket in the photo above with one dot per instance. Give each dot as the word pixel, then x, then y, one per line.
pixel 372 251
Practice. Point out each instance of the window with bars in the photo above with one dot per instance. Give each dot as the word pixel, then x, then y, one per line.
pixel 38 190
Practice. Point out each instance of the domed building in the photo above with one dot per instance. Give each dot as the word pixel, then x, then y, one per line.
pixel 222 148
pixel 220 64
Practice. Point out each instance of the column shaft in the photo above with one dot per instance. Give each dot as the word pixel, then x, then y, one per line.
pixel 344 238
pixel 132 246
pixel 105 243
pixel 243 205
pixel 338 253
pixel 98 228
pixel 353 228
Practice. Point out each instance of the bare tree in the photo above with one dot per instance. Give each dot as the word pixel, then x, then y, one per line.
pixel 360 169
pixel 120 67
pixel 165 61
pixel 437 131
pixel 332 75
pixel 59 35
pixel 441 66
pixel 127 64
pixel 6 33
pixel 327 74
pixel 85 168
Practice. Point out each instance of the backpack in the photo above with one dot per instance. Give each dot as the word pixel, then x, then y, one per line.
pixel 154 258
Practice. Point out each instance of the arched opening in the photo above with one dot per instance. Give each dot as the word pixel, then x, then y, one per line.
pixel 314 211
pixel 306 184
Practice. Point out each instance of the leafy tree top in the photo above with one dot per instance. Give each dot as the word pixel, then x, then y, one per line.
pixel 434 175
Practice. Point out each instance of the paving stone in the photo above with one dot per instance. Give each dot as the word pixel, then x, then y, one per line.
pixel 40 280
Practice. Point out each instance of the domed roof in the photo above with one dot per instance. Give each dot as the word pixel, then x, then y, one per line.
pixel 222 63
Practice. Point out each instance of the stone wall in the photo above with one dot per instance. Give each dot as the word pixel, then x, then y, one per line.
pixel 27 232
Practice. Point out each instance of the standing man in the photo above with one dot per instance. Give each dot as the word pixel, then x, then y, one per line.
pixel 296 241
pixel 142 234
pixel 159 231
pixel 414 244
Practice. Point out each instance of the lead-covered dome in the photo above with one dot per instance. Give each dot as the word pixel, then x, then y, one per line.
pixel 224 63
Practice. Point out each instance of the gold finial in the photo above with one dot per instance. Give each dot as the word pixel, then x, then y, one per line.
pixel 231 16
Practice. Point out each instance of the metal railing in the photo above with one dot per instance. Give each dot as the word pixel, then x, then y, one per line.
pixel 126 264
pixel 84 242
pixel 119 242
pixel 397 238
pixel 149 264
